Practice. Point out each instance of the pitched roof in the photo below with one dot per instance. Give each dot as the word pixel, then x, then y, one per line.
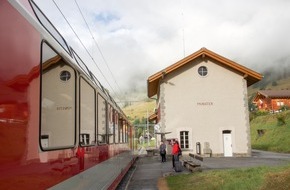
pixel 154 80
pixel 153 117
pixel 274 93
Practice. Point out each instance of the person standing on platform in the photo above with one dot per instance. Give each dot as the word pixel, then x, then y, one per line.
pixel 175 150
pixel 162 149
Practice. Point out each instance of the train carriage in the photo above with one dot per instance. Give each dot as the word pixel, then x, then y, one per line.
pixel 59 127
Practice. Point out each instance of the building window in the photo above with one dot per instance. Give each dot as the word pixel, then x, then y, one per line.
pixel 184 143
pixel 202 71
pixel 280 103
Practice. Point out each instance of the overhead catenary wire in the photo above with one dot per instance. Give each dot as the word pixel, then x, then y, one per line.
pixel 99 49
pixel 183 25
pixel 85 48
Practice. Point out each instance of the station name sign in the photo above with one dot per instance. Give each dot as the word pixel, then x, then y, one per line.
pixel 204 103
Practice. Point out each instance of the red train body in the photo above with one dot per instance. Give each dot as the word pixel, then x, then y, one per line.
pixel 59 129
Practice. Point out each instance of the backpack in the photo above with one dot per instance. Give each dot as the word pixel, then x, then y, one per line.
pixel 179 151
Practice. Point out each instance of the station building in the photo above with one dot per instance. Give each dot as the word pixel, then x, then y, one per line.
pixel 202 101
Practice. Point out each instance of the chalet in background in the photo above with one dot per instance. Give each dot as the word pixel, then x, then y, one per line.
pixel 272 100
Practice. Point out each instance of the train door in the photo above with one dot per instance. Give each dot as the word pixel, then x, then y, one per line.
pixel 87 113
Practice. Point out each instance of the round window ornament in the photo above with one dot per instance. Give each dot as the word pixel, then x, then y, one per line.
pixel 65 75
pixel 202 71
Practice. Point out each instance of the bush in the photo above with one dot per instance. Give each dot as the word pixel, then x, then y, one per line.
pixel 281 119
pixel 252 116
pixel 264 147
pixel 284 108
pixel 260 113
pixel 274 83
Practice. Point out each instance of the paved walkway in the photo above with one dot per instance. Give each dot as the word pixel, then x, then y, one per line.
pixel 146 171
pixel 259 158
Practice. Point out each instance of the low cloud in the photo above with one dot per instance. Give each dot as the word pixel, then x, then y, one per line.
pixel 139 38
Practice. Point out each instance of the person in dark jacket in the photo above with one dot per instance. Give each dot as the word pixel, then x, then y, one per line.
pixel 162 150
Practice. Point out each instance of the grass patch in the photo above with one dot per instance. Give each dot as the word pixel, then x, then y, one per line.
pixel 237 179
pixel 277 180
pixel 276 132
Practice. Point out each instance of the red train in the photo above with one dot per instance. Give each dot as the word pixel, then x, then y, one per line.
pixel 59 128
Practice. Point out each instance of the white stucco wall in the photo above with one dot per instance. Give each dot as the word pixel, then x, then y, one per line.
pixel 205 106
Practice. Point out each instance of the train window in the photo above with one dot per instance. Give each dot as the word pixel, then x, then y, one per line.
pixel 57 121
pixel 44 21
pixel 110 130
pixel 116 119
pixel 87 113
pixel 121 131
pixel 102 107
pixel 125 132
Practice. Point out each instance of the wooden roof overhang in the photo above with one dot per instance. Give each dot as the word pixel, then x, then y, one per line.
pixel 273 94
pixel 154 80
pixel 153 117
pixel 258 97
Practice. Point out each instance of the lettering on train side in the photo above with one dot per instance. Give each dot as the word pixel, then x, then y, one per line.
pixel 63 108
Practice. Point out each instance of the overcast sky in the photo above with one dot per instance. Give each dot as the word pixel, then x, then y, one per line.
pixel 136 39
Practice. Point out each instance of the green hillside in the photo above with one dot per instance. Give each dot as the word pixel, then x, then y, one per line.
pixel 271 132
pixel 268 84
pixel 139 110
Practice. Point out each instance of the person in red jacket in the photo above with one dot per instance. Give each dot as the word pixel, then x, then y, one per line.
pixel 175 150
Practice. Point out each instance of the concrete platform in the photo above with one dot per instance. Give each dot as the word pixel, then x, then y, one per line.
pixel 147 171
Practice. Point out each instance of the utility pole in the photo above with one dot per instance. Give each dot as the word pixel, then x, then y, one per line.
pixel 147 128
